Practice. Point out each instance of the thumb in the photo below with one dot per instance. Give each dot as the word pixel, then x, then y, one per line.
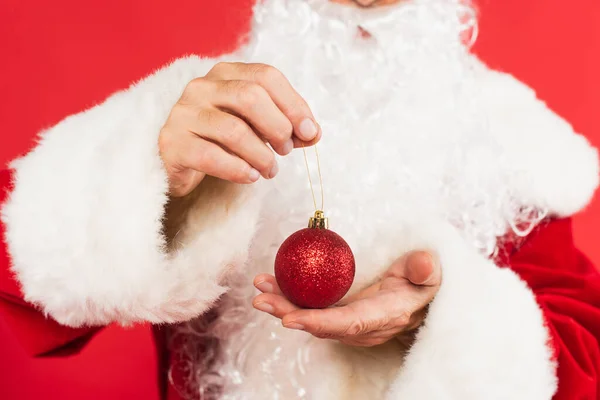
pixel 421 268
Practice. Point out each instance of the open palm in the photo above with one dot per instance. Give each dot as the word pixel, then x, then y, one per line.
pixel 394 305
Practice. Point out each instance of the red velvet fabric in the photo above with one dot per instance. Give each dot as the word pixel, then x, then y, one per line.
pixel 567 287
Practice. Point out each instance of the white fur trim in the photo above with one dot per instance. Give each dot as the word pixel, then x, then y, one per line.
pixel 84 222
pixel 551 167
pixel 484 336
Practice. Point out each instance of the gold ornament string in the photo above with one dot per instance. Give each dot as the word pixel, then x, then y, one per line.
pixel 310 180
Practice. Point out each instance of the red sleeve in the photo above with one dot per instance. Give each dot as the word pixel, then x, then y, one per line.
pixel 37 333
pixel 567 287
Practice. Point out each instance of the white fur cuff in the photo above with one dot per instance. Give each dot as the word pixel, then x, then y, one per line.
pixel 84 224
pixel 484 337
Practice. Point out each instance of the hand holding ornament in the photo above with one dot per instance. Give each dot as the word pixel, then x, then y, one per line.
pixel 392 307
pixel 223 121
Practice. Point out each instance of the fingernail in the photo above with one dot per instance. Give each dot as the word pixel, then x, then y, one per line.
pixel 264 287
pixel 253 175
pixel 308 129
pixel 287 147
pixel 416 262
pixel 432 261
pixel 274 171
pixel 430 258
pixel 266 307
pixel 294 325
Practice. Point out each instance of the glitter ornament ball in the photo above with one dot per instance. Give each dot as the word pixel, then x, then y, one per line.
pixel 314 267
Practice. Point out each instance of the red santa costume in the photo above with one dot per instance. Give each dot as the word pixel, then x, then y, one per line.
pixel 424 147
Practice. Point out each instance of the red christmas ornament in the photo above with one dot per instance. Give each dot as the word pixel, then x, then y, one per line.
pixel 314 267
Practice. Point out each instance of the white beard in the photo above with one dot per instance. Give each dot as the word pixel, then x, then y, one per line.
pixel 408 95
pixel 405 142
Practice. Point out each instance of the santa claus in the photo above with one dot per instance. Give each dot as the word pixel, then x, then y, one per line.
pixel 450 181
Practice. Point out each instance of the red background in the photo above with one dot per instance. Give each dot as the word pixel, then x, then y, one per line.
pixel 61 56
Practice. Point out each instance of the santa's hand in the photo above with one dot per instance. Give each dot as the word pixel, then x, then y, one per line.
pixel 393 306
pixel 223 121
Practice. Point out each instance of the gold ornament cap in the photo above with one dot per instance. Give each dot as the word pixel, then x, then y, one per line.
pixel 318 221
